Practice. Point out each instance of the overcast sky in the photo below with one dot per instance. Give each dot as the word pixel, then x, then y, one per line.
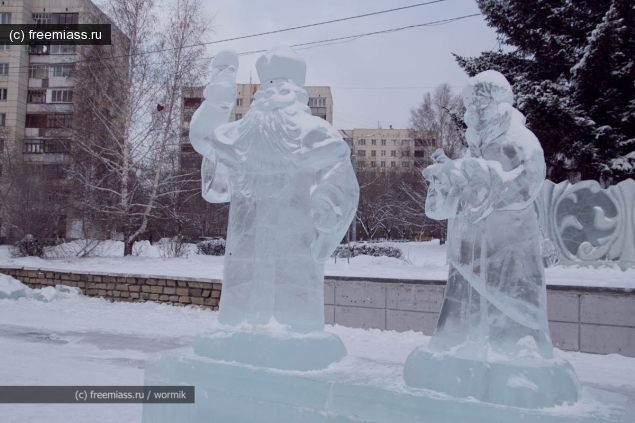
pixel 373 79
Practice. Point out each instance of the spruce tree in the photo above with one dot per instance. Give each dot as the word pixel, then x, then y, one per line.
pixel 571 67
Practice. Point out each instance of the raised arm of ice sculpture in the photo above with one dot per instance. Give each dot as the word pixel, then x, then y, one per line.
pixel 220 96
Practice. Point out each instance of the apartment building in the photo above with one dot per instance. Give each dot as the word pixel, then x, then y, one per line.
pixel 36 91
pixel 320 102
pixel 389 150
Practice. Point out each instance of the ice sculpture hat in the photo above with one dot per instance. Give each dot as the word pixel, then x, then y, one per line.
pixel 281 62
pixel 489 84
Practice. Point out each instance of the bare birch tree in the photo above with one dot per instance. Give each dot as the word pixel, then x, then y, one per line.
pixel 127 114
pixel 440 112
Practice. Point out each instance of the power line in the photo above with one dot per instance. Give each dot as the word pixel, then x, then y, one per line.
pixel 355 37
pixel 277 30
pixel 312 43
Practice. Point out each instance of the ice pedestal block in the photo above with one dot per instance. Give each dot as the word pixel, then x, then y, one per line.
pixel 282 350
pixel 351 390
pixel 521 382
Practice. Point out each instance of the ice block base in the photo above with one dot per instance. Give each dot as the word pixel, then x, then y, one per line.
pixel 351 390
pixel 522 382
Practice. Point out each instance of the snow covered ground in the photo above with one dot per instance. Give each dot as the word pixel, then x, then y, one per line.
pixel 90 341
pixel 422 260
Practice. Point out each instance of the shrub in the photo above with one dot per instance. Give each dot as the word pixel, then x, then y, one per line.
pixel 173 247
pixel 375 250
pixel 211 247
pixel 29 246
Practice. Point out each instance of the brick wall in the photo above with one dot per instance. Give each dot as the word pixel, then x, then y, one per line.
pixel 177 291
pixel 587 319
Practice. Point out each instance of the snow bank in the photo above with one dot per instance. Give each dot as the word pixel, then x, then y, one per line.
pixel 12 289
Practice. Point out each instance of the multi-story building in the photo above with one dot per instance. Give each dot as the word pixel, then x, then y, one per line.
pixel 320 102
pixel 36 91
pixel 391 149
pixel 211 219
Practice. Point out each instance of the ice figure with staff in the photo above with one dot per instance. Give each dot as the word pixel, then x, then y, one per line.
pixel 293 195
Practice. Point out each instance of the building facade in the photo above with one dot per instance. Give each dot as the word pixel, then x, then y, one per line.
pixel 389 150
pixel 320 102
pixel 36 94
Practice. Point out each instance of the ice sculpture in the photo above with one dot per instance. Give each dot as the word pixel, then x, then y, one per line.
pixel 492 339
pixel 589 224
pixel 293 194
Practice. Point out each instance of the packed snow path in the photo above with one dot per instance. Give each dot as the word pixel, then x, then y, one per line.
pixel 90 341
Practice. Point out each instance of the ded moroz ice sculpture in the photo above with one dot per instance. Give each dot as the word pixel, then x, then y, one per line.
pixel 492 339
pixel 293 194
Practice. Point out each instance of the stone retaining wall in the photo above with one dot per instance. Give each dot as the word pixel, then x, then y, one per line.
pixel 130 288
pixel 587 319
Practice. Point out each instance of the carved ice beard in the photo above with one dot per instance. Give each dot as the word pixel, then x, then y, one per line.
pixel 268 135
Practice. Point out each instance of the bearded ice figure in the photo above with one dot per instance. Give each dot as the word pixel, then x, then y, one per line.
pixel 494 307
pixel 292 189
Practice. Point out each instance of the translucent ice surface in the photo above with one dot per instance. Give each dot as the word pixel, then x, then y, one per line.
pixel 292 189
pixel 494 310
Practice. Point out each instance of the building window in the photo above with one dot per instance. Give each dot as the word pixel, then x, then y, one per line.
pixel 65 18
pixel 405 143
pixel 383 164
pixel 40 49
pixel 193 102
pixel 5 18
pixel 49 121
pixel 42 18
pixel 4 45
pixel 319 112
pixel 59 121
pixel 239 102
pixel 36 96
pixel 4 69
pixel 405 164
pixel 361 153
pixel 373 152
pixel 39 71
pixel 405 154
pixel 58 49
pixel 61 96
pixel 1 145
pixel 394 142
pixel 373 142
pixel 187 148
pixel 393 153
pixel 383 152
pixel 361 141
pixel 373 164
pixel 317 102
pixel 3 94
pixel 3 119
pixel 393 164
pixel 190 162
pixel 239 116
pixel 361 163
pixel 54 171
pixel 33 146
pixel 60 71
pixel 55 146
pixel 383 142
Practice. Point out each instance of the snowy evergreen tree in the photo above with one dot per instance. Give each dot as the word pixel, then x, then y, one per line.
pixel 573 74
